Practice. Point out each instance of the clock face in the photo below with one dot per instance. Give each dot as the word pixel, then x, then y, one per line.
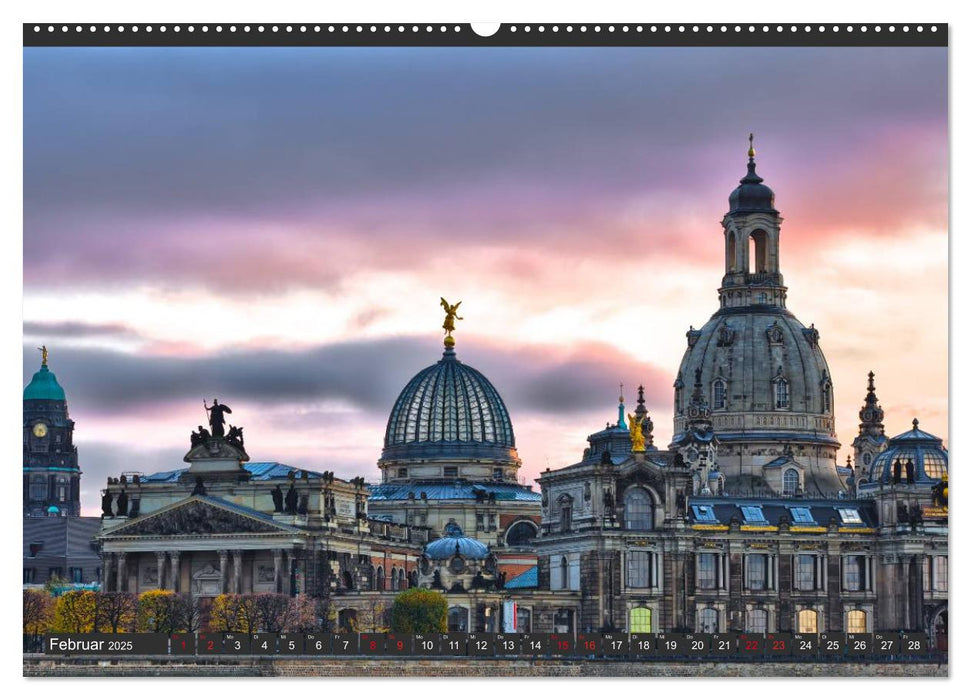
pixel 40 430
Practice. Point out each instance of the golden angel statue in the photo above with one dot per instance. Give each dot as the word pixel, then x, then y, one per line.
pixel 636 433
pixel 43 354
pixel 450 316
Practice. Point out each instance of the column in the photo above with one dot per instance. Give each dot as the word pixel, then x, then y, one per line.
pixel 223 563
pixel 237 571
pixel 176 571
pixel 160 562
pixel 122 573
pixel 106 561
pixel 277 570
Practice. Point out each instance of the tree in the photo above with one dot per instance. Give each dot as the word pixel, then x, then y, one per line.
pixel 305 614
pixel 274 611
pixel 114 612
pixel 235 613
pixel 156 612
pixel 419 611
pixel 188 612
pixel 38 612
pixel 74 612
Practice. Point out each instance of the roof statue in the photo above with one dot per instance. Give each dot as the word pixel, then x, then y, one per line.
pixel 636 433
pixel 43 355
pixel 451 314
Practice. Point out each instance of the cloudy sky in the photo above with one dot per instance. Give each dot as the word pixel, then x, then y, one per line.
pixel 274 227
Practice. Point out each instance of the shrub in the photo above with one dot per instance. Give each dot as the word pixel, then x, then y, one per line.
pixel 419 611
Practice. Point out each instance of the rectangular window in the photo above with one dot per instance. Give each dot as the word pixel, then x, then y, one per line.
pixel 756 572
pixel 451 471
pixel 497 473
pixel 402 472
pixel 850 515
pixel 639 569
pixel 940 573
pixel 707 566
pixel 479 521
pixel 29 575
pixel 753 515
pixel 704 514
pixel 802 516
pixel 54 571
pixel 76 574
pixel 804 572
pixel 853 572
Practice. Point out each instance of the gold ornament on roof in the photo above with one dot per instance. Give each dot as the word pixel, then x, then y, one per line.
pixel 636 433
pixel 751 145
pixel 451 315
pixel 43 354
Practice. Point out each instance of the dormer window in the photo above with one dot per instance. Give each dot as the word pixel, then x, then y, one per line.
pixel 851 516
pixel 790 482
pixel 753 515
pixel 704 514
pixel 803 516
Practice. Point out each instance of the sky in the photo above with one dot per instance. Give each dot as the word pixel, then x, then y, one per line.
pixel 274 228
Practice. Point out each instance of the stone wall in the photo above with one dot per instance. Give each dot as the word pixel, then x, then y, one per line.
pixel 228 667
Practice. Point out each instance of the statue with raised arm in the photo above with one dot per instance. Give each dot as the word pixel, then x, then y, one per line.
pixel 217 416
pixel 451 315
pixel 43 355
pixel 636 424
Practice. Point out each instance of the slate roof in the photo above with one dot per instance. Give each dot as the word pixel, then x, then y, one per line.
pixel 820 511
pixel 260 471
pixel 452 491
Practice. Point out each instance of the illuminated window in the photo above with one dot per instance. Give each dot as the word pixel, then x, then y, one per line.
pixel 640 620
pixel 850 515
pixel 856 622
pixel 807 622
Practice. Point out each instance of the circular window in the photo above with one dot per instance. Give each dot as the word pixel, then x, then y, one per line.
pixel 456 565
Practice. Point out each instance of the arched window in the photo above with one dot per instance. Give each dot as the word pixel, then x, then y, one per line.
pixel 348 581
pixel 718 394
pixel 394 579
pixel 790 482
pixel 458 619
pixel 708 620
pixel 827 398
pixel 807 622
pixel 640 620
pixel 62 488
pixel 521 534
pixel 856 622
pixel 781 393
pixel 638 510
pixel 758 262
pixel 564 573
pixel 379 579
pixel 757 621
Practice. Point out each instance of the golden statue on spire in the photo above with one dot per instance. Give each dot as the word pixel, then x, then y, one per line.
pixel 451 315
pixel 751 145
pixel 43 355
pixel 636 433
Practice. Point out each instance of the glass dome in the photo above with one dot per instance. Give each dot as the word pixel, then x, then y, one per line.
pixel 926 451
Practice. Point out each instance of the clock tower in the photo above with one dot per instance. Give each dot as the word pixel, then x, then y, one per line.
pixel 51 473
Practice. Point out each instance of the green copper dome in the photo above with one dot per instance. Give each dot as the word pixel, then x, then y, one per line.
pixel 44 386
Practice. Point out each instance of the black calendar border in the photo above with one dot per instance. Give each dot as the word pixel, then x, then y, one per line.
pixel 293 34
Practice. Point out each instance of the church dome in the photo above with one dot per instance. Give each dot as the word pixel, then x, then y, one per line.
pixel 449 410
pixel 455 542
pixel 926 451
pixel 43 387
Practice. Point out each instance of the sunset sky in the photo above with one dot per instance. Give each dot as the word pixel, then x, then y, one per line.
pixel 274 227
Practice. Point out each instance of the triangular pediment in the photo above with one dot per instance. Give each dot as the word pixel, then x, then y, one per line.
pixel 197 516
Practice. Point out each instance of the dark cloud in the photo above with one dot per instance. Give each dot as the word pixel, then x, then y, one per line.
pixel 185 165
pixel 368 375
pixel 77 329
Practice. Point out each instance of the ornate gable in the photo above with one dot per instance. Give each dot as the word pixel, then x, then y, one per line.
pixel 195 516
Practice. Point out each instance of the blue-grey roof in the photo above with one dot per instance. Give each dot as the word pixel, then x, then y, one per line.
pixel 259 471
pixel 450 491
pixel 821 511
pixel 455 542
pixel 528 579
pixel 751 195
pixel 449 409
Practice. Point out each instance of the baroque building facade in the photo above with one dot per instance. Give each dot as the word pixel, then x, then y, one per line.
pixel 744 522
